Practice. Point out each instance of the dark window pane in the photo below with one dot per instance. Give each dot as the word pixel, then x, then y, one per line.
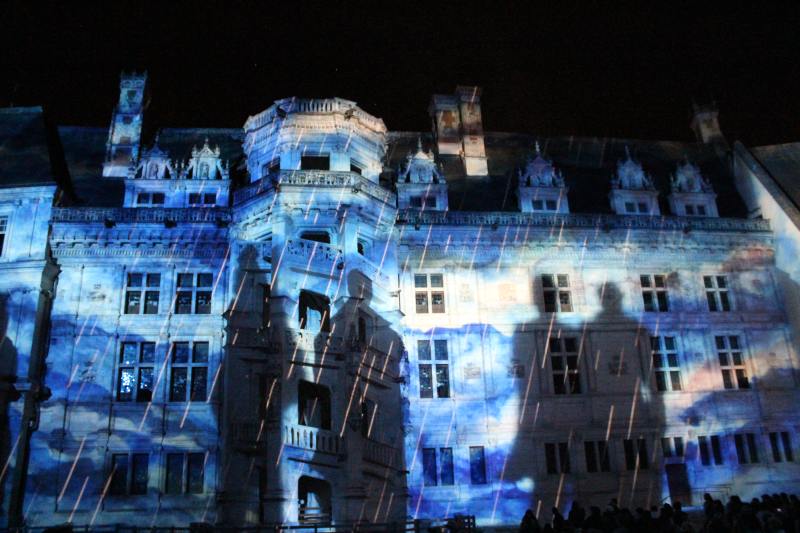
pixel 740 451
pixel 547 281
pixel 145 391
pixel 119 479
pixel 551 205
pixel 199 384
pixel 139 473
pixel 440 349
pixel 126 385
pixel 196 474
pixel 177 389
pixel 570 345
pixel 555 345
pixel 716 449
pixel 708 282
pixel 722 282
pixel 647 298
pixel 425 381
pixel 720 342
pixel 645 281
pixel 183 303
pixel 644 461
pixel 153 280
pixel 559 386
pixel 630 455
pixel 751 444
pixel 442 381
pixel 538 205
pixel 549 301
pixel 205 280
pixel 776 452
pixel 661 382
pixel 701 210
pixel 129 353
pixel 134 280
pixel 174 479
pixel 446 476
pixel 477 465
pixel 787 446
pixel 574 383
pixel 420 280
pixel 200 352
pixel 734 342
pixel 659 281
pixel 558 363
pixel 712 301
pixel 429 466
pixel 424 350
pixel 148 353
pixel 550 458
pixel 672 360
pixel 194 198
pixel 203 300
pixel 663 306
pixel 158 198
pixel 678 446
pixel 180 352
pixel 437 281
pixel 669 343
pixel 185 280
pixel 605 461
pixel 563 457
pixel 133 300
pixel 705 457
pixel 151 303
pixel 209 198
pixel 741 379
pixel 591 458
pixel 724 302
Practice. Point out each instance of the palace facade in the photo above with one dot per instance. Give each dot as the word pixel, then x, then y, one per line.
pixel 313 318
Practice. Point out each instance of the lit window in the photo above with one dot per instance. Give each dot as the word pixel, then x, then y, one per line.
pixel 477 465
pixel 185 473
pixel 3 231
pixel 672 447
pixel 564 362
pixel 434 376
pixel 188 372
pixel 557 294
pixel 597 458
pixel 636 454
pixel 665 364
pixel 142 288
pixel 746 449
pixel 717 293
pixel 135 379
pixel 781 445
pixel 557 457
pixel 193 295
pixel 429 293
pixel 654 292
pixel 128 474
pixel 731 362
pixel 437 472
pixel 710 448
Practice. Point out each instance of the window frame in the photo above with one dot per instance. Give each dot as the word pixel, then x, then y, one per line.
pixel 652 293
pixel 132 458
pixel 746 444
pixel 136 367
pixel 477 472
pixel 5 226
pixel 635 451
pixel 194 291
pixel 557 458
pixel 552 287
pixel 190 365
pixel 428 291
pixel 563 357
pixel 710 450
pixel 600 452
pixel 714 293
pixel 435 362
pixel 185 472
pixel 666 368
pixel 144 290
pixel 731 368
pixel 781 446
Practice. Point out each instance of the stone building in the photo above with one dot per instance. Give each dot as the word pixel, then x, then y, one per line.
pixel 314 318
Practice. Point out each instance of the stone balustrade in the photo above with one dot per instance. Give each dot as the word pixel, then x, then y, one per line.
pixel 380 453
pixel 313 255
pixel 140 215
pixel 313 439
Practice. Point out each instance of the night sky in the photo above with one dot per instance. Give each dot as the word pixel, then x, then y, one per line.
pixel 579 68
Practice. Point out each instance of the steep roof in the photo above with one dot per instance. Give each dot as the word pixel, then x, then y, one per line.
pixel 782 161
pixel 25 154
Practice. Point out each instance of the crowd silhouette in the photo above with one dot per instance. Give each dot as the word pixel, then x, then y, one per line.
pixel 777 513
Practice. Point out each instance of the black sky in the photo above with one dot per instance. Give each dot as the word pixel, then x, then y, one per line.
pixel 583 68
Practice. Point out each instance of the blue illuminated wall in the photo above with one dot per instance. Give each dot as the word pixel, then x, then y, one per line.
pixel 370 334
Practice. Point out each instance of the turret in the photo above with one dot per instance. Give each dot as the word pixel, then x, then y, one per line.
pixel 125 131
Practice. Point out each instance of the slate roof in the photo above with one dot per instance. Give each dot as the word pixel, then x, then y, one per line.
pixel 24 148
pixel 782 161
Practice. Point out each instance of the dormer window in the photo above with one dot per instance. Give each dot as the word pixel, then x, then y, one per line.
pixel 544 205
pixel 636 207
pixel 315 162
pixel 203 171
pixel 692 194
pixel 197 198
pixel 146 199
pixel 632 190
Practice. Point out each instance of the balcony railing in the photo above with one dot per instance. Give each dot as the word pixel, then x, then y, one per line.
pixel 313 439
pixel 595 221
pixel 312 255
pixel 316 178
pixel 380 453
pixel 122 215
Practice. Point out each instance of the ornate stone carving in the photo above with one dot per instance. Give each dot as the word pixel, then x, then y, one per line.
pixel 631 176
pixel 420 167
pixel 539 172
pixel 687 178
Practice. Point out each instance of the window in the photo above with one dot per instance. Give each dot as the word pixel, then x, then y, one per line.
pixel 429 293
pixel 149 199
pixel 672 447
pixel 128 474
pixel 746 449
pixel 632 207
pixel 477 465
pixel 196 198
pixel 430 373
pixel 717 293
pixel 136 379
pixel 355 168
pixel 636 454
pixel 710 447
pixel 544 205
pixel 564 362
pixel 185 473
pixel 314 405
pixel 665 364
pixel 597 459
pixel 701 210
pixel 781 445
pixel 695 210
pixel 443 475
pixel 654 292
pixel 316 236
pixel 731 362
pixel 557 296
pixel 142 288
pixel 557 457
pixel 193 295
pixel 315 162
pixel 315 311
pixel 415 201
pixel 3 231
pixel 188 372
pixel 689 209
